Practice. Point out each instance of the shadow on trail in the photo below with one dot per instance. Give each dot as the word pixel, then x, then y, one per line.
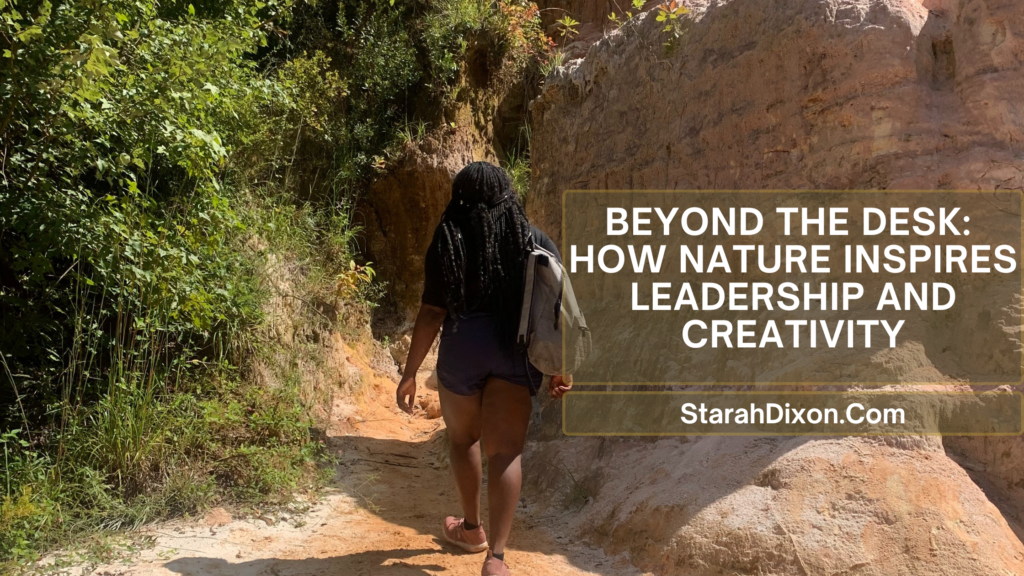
pixel 408 483
pixel 375 563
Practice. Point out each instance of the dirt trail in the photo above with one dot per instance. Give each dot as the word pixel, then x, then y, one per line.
pixel 382 517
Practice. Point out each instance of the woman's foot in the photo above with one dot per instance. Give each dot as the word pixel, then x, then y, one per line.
pixel 494 567
pixel 470 540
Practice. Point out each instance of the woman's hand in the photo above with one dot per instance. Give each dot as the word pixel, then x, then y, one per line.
pixel 559 385
pixel 428 323
pixel 406 394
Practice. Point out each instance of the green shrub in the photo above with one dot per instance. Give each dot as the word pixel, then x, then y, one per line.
pixel 407 63
pixel 121 115
pixel 155 157
pixel 26 511
pixel 129 290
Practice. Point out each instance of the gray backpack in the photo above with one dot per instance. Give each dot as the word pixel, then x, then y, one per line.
pixel 551 317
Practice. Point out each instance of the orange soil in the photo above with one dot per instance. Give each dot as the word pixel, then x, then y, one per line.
pixel 382 517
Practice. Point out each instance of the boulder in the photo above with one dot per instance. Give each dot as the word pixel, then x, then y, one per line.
pixel 752 506
pixel 787 95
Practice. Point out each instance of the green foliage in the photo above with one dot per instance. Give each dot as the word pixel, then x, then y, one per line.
pixel 518 168
pixel 407 64
pixel 568 27
pixel 517 164
pixel 619 20
pixel 269 451
pixel 117 116
pixel 156 158
pixel 315 90
pixel 555 60
pixel 672 15
pixel 144 178
pixel 234 438
pixel 352 281
pixel 319 239
pixel 25 512
pixel 413 132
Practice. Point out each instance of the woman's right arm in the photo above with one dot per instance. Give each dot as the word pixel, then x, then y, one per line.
pixel 428 323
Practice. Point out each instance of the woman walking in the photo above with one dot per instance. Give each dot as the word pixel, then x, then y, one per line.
pixel 474 279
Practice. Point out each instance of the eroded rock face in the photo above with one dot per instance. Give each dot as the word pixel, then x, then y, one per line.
pixel 775 506
pixel 997 465
pixel 403 208
pixel 790 94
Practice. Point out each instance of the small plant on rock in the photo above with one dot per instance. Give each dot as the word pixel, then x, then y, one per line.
pixel 671 14
pixel 352 282
pixel 619 21
pixel 568 27
pixel 554 60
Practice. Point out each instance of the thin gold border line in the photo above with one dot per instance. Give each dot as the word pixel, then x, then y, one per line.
pixel 1019 394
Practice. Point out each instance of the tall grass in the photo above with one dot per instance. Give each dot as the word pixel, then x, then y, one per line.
pixel 517 164
pixel 146 424
pixel 150 184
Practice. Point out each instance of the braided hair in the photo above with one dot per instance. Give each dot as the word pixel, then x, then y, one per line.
pixel 481 243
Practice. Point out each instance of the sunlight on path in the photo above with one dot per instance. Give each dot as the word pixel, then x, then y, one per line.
pixel 383 517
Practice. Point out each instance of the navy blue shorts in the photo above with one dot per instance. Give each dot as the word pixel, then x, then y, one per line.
pixel 469 354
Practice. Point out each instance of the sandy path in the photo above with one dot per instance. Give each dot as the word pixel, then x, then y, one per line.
pixel 382 517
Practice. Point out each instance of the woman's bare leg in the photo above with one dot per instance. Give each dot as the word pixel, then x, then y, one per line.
pixel 505 416
pixel 462 419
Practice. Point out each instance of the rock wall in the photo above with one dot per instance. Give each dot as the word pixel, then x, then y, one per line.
pixel 401 211
pixel 997 465
pixel 790 94
pixel 404 205
pixel 773 506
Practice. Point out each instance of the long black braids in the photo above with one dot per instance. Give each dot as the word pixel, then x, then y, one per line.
pixel 481 243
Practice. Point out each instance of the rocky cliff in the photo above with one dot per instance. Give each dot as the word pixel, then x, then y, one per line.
pixel 404 205
pixel 790 94
pixel 764 94
pixel 774 506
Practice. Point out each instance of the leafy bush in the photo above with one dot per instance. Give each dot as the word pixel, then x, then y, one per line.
pixel 130 293
pixel 155 155
pixel 672 15
pixel 119 114
pixel 409 63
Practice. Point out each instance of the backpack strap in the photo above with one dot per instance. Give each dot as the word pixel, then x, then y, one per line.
pixel 524 316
